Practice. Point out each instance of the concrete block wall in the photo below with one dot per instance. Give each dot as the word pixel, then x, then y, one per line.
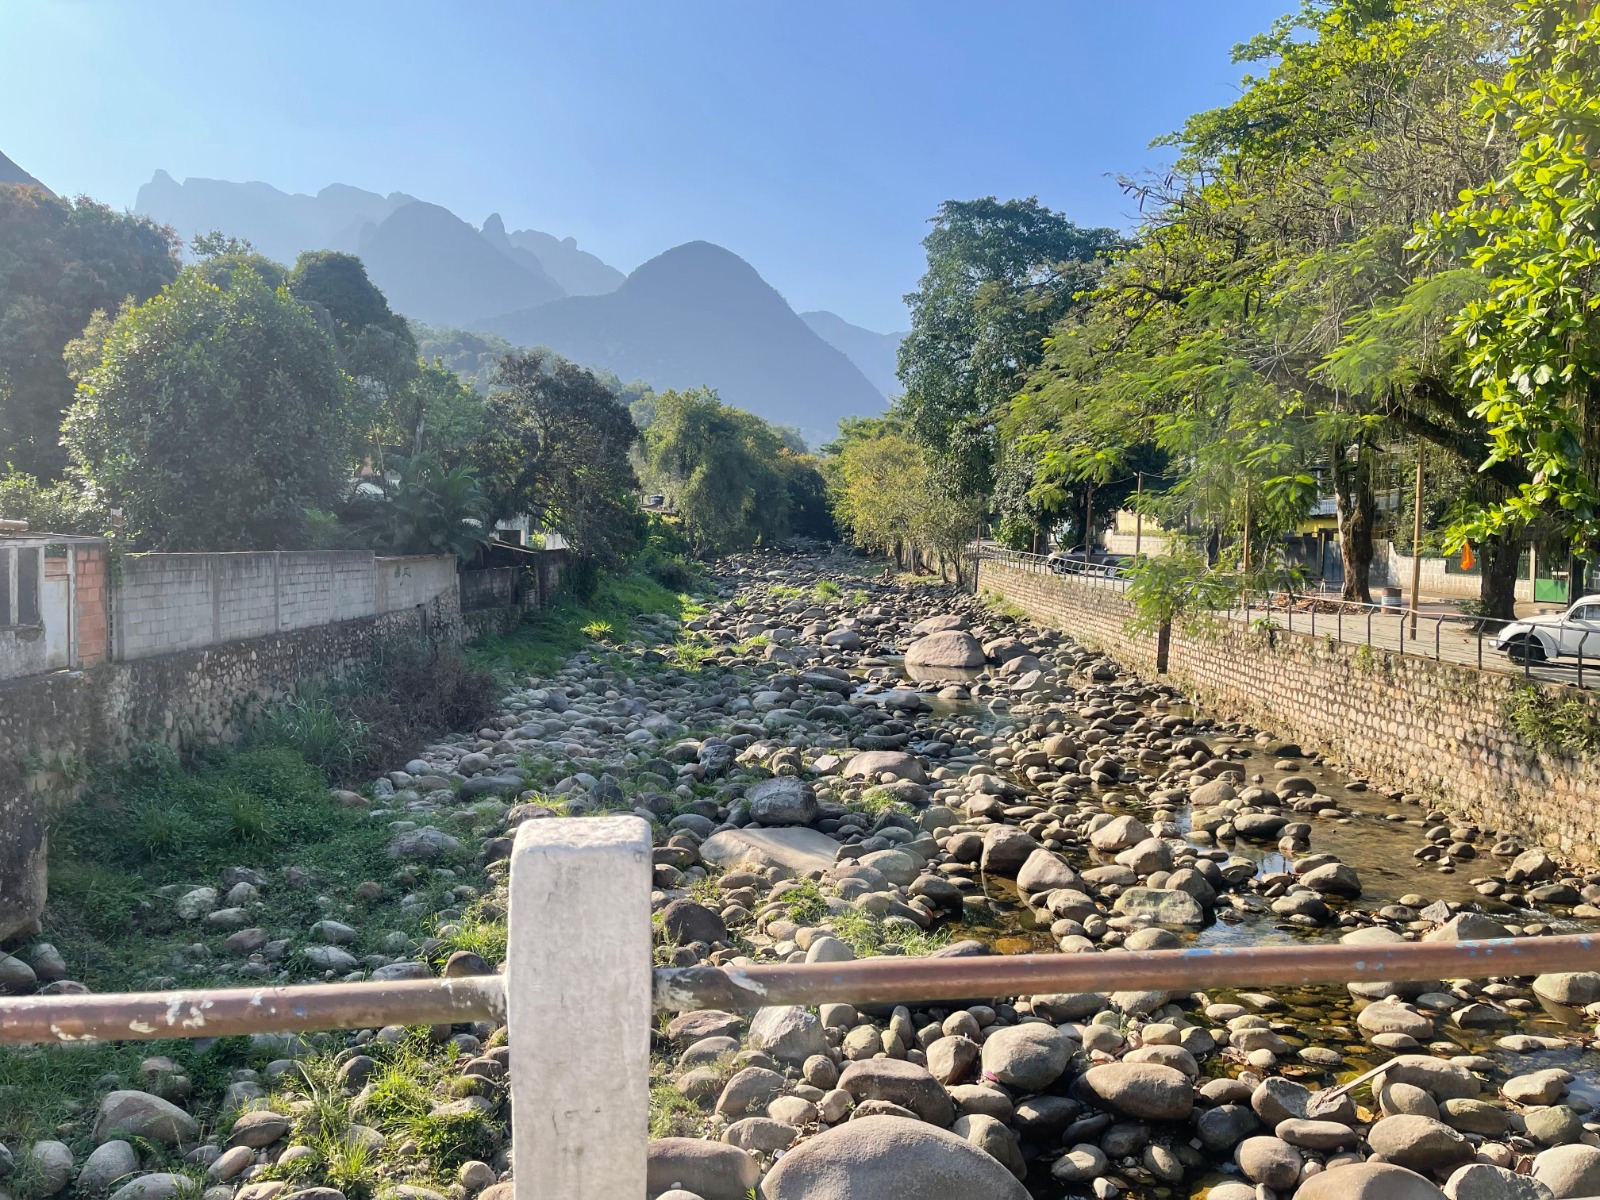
pixel 403 583
pixel 1436 729
pixel 169 603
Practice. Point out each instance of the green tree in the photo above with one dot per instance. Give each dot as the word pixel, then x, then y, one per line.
pixel 1533 339
pixel 555 445
pixel 999 275
pixel 217 417
pixel 60 262
pixel 720 466
pixel 433 509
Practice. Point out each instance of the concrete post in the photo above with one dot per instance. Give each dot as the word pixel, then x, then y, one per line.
pixel 578 1007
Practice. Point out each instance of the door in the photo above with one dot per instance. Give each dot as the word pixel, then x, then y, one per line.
pixel 55 593
pixel 1580 631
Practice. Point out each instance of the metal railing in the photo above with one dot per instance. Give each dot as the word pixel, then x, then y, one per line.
pixel 1439 636
pixel 580 936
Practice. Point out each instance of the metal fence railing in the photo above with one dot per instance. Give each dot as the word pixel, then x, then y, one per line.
pixel 1564 651
pixel 580 936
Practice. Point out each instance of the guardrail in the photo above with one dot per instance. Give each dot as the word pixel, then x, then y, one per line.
pixel 580 936
pixel 1439 636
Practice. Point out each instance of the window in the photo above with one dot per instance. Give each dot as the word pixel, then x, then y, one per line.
pixel 19 586
pixel 28 587
pixel 1587 613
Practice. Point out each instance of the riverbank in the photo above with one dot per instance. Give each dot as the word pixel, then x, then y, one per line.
pixel 837 766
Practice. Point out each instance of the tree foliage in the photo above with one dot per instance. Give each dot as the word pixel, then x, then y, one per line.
pixel 217 417
pixel 555 445
pixel 60 262
pixel 1000 274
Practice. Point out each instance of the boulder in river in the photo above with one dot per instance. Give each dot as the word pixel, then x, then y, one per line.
pixel 1144 1091
pixel 871 764
pixel 782 801
pixel 948 648
pixel 796 848
pixel 1367 1181
pixel 889 1157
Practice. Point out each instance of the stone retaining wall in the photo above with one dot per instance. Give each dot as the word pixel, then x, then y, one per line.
pixel 1432 728
pixel 51 725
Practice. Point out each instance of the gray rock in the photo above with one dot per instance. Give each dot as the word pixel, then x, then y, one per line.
pixel 684 921
pixel 1575 988
pixel 946 648
pixel 871 764
pixel 1333 879
pixel 258 1128
pixel 50 1164
pixel 747 1090
pixel 795 848
pixel 1467 927
pixel 1367 1181
pixel 713 1170
pixel 1044 871
pixel 1165 906
pixel 788 1032
pixel 1006 849
pixel 1316 1135
pixel 1569 1171
pixel 885 1158
pixel 16 976
pixel 785 800
pixel 1225 1126
pixel 1483 1181
pixel 425 845
pixel 140 1114
pixel 760 1135
pixel 161 1185
pixel 902 1083
pixel 1418 1143
pixel 1146 1091
pixel 1269 1160
pixel 106 1164
pixel 1030 1057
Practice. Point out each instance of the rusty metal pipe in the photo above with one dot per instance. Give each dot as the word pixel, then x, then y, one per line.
pixel 905 980
pixel 148 1016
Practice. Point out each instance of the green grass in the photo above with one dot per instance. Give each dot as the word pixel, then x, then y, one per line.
pixel 864 933
pixel 878 800
pixel 482 934
pixel 542 643
pixel 826 590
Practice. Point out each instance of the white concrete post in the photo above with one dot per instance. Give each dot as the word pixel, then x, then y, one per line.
pixel 578 1007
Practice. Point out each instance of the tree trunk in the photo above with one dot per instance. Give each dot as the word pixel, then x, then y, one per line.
pixel 1358 513
pixel 1497 586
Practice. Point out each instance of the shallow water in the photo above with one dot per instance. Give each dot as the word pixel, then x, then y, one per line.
pixel 1381 851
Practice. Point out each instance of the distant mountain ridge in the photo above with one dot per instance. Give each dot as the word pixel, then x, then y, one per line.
pixel 699 314
pixel 877 354
pixel 14 176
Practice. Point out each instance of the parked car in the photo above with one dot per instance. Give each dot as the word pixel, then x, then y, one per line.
pixel 1076 562
pixel 1558 635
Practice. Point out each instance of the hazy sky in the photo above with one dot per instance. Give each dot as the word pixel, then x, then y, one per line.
pixel 813 137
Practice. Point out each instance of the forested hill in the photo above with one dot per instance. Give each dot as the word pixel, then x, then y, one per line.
pixel 699 314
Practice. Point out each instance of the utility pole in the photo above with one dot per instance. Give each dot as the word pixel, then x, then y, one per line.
pixel 1416 537
pixel 1138 516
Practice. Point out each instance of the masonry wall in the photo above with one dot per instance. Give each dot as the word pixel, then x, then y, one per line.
pixel 1412 724
pixel 168 603
pixel 52 723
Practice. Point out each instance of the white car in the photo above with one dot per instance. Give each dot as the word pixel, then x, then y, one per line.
pixel 1560 635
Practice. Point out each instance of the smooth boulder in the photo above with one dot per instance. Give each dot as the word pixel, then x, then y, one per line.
pixel 889 1158
pixel 946 648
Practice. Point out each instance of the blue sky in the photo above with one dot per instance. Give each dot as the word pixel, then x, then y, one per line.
pixel 814 138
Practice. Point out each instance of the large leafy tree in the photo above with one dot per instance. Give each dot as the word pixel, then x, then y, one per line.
pixel 1533 337
pixel 730 474
pixel 555 445
pixel 886 494
pixel 60 261
pixel 1000 274
pixel 216 418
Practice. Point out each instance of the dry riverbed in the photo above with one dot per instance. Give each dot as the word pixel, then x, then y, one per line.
pixel 838 766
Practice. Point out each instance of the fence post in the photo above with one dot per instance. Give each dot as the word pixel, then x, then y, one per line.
pixel 580 944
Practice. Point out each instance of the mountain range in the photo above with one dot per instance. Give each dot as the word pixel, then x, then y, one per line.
pixel 14 175
pixel 696 314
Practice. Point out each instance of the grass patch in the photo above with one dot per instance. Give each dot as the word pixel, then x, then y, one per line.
pixel 547 638
pixel 877 801
pixel 827 589
pixel 412 690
